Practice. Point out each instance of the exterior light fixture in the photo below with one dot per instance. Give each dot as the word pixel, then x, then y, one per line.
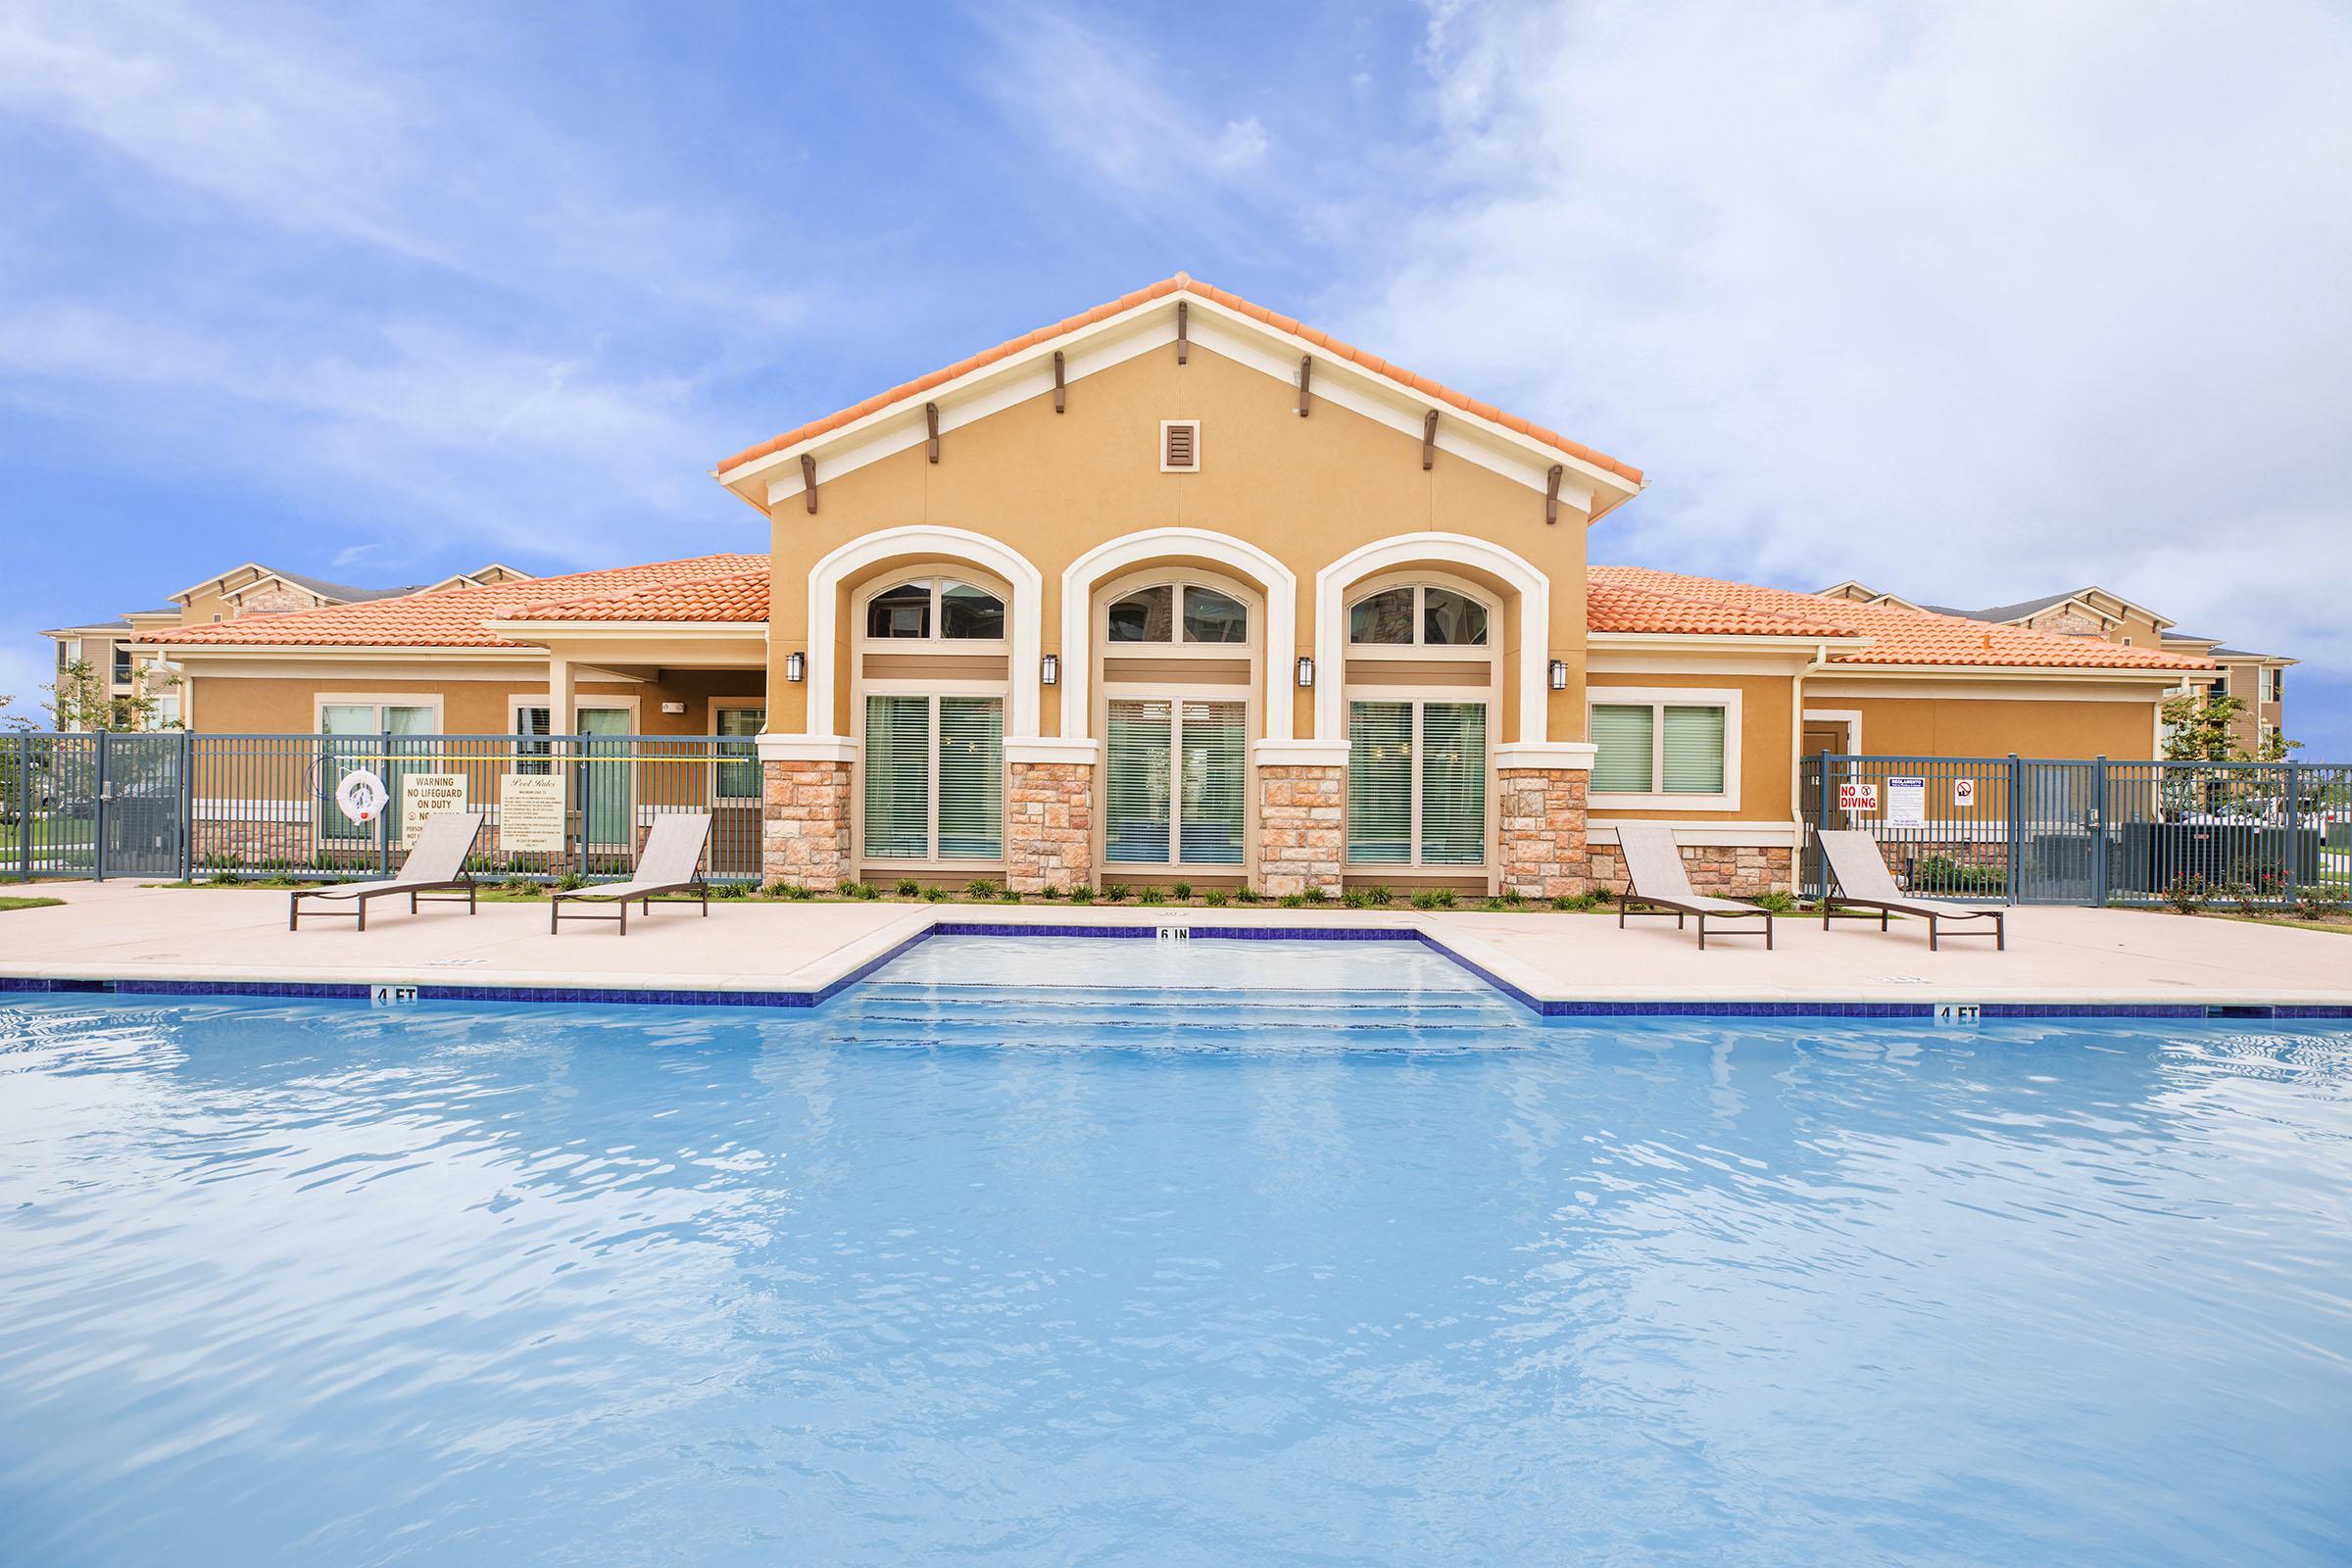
pixel 1559 675
pixel 796 666
pixel 1049 669
pixel 1306 672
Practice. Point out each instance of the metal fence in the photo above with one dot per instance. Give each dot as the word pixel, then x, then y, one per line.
pixel 182 804
pixel 2075 830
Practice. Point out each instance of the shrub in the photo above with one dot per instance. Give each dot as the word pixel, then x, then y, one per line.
pixel 2317 904
pixel 731 890
pixel 1312 892
pixel 1182 890
pixel 796 891
pixel 1113 892
pixel 1082 893
pixel 860 890
pixel 223 878
pixel 1434 899
pixel 908 888
pixel 1512 897
pixel 1292 901
pixel 1492 906
pixel 1577 903
pixel 981 889
pixel 1379 895
pixel 1932 874
pixel 1353 899
pixel 1247 894
pixel 1775 901
pixel 1050 893
pixel 1008 894
pixel 571 881
pixel 1216 898
pixel 1152 894
pixel 522 887
pixel 2187 894
pixel 935 894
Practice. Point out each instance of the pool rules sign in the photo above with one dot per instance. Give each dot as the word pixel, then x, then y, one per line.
pixel 530 813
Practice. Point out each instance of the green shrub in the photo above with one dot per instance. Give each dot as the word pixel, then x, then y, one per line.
pixel 2317 904
pixel 2188 894
pixel 1577 903
pixel 1216 898
pixel 1050 893
pixel 1312 892
pixel 1182 890
pixel 1114 892
pixel 1247 894
pixel 224 878
pixel 1379 895
pixel 1292 901
pixel 791 890
pixel 1008 894
pixel 981 889
pixel 1082 893
pixel 1434 899
pixel 1353 899
pixel 935 894
pixel 522 887
pixel 1933 874
pixel 571 881
pixel 1775 901
pixel 908 888
pixel 1512 897
pixel 731 890
pixel 1152 894
pixel 860 890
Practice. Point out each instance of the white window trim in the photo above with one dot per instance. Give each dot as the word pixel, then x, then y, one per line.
pixel 1420 582
pixel 320 701
pixel 936 575
pixel 516 702
pixel 1730 699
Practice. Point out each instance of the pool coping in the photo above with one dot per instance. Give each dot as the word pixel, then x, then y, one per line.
pixel 861 959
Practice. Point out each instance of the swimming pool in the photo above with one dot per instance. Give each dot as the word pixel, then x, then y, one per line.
pixel 1167 1253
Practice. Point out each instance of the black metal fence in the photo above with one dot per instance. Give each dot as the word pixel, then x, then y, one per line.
pixel 181 804
pixel 2073 830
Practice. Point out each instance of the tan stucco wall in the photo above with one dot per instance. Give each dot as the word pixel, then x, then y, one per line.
pixel 1053 487
pixel 1965 726
pixel 243 705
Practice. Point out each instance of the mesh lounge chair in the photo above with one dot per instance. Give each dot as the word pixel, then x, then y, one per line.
pixel 670 862
pixel 1654 877
pixel 436 862
pixel 1860 875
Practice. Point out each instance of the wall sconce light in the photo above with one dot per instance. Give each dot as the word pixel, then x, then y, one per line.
pixel 1306 672
pixel 673 708
pixel 1559 675
pixel 1049 669
pixel 796 666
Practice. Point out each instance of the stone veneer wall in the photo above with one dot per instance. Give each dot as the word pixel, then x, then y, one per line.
pixel 1542 831
pixel 1049 826
pixel 804 826
pixel 1721 869
pixel 1303 829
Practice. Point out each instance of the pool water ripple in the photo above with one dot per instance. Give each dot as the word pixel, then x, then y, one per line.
pixel 1379 1269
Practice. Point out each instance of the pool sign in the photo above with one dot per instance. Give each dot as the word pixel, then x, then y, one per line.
pixel 1858 795
pixel 1906 803
pixel 530 813
pixel 424 795
pixel 361 795
pixel 1964 793
pixel 1957 1014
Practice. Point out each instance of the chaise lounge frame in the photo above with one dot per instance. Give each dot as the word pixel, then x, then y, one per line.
pixel 1655 879
pixel 436 863
pixel 670 862
pixel 1859 873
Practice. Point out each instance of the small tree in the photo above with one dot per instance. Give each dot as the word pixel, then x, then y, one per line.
pixel 79 698
pixel 2202 729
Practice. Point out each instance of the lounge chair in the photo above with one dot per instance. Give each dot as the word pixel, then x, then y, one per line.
pixel 436 862
pixel 1859 873
pixel 1655 877
pixel 670 862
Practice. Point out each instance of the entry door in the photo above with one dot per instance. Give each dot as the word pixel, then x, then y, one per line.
pixel 605 805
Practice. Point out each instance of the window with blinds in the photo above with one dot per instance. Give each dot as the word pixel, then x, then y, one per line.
pixel 1135 750
pixel 897 778
pixel 1660 749
pixel 1416 783
pixel 1213 747
pixel 934 778
pixel 1380 783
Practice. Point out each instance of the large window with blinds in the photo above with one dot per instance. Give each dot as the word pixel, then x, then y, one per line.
pixel 1666 747
pixel 934 778
pixel 1416 783
pixel 1175 782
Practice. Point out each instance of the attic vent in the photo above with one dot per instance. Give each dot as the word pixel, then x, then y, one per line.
pixel 1179 446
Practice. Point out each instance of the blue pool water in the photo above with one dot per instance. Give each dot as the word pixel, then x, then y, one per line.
pixel 1124 1253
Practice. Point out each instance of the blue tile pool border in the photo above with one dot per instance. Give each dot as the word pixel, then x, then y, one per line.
pixel 1545 1008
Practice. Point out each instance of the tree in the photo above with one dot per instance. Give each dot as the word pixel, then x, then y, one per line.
pixel 79 700
pixel 8 720
pixel 2204 729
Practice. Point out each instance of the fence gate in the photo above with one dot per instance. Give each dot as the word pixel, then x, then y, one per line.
pixel 94 805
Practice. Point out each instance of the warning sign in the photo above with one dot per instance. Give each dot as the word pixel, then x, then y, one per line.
pixel 1964 793
pixel 530 813
pixel 1906 803
pixel 424 795
pixel 1858 795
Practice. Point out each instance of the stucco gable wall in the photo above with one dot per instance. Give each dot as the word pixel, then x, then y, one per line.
pixel 1053 487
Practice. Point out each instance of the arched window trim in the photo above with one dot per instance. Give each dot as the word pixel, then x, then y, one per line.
pixel 1490 650
pixel 1178 578
pixel 937 575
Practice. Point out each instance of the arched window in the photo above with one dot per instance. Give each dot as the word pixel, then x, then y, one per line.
pixel 1417 614
pixel 935 609
pixel 1152 614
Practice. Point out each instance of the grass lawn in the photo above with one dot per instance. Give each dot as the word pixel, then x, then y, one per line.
pixel 8 903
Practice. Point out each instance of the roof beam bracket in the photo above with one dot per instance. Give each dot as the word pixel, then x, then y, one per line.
pixel 931 424
pixel 1551 493
pixel 1060 388
pixel 808 480
pixel 1306 365
pixel 1428 440
pixel 1183 330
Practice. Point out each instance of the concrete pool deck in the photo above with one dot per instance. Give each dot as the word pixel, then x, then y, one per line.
pixel 754 950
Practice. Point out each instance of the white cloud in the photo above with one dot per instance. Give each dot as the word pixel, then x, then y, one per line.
pixel 1970 302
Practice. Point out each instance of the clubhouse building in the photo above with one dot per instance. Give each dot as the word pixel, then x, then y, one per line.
pixel 1179 589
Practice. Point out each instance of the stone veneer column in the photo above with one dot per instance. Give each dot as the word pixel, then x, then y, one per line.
pixel 1543 837
pixel 1301 827
pixel 1048 825
pixel 804 822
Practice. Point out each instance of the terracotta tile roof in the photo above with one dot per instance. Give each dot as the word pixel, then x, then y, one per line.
pixel 1618 607
pixel 1897 636
pixel 736 597
pixel 1185 283
pixel 454 617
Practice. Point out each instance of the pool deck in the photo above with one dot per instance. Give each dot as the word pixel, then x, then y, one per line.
pixel 123 934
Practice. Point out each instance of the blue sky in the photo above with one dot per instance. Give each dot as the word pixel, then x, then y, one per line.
pixel 1870 291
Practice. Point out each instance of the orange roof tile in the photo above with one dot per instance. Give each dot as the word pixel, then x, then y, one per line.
pixel 1663 598
pixel 1616 606
pixel 736 597
pixel 454 617
pixel 1185 283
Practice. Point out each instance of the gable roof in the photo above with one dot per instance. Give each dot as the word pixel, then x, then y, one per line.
pixel 1182 283
pixel 454 617
pixel 1895 636
pixel 346 592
